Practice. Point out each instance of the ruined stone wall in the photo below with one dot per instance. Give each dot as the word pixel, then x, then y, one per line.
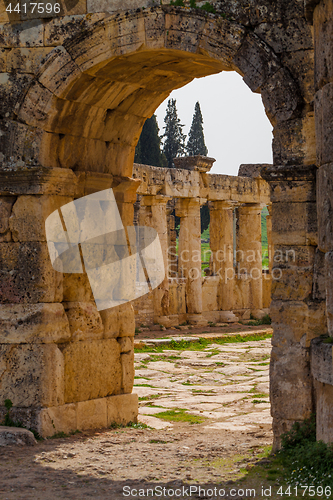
pixel 321 362
pixel 76 88
pixel 64 365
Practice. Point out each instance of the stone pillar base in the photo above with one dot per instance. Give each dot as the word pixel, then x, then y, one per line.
pixel 93 414
pixel 196 320
pixel 228 317
pixel 167 321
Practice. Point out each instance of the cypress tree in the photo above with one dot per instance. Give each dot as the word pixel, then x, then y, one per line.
pixel 148 149
pixel 196 141
pixel 174 139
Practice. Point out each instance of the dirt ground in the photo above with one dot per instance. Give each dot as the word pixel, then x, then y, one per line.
pixel 222 388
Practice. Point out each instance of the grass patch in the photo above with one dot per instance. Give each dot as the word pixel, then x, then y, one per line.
pixel 132 425
pixel 58 435
pixel 145 385
pixel 305 460
pixel 266 320
pixel 179 415
pixel 148 398
pixel 214 352
pixel 201 344
pixel 202 391
pixel 158 441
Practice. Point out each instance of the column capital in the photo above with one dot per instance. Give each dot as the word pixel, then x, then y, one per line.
pixel 184 206
pixel 151 200
pixel 222 205
pixel 251 207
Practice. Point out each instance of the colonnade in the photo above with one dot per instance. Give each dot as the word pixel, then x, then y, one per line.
pixel 235 286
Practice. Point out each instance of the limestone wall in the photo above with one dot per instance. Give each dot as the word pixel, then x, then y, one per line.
pixel 75 90
pixel 65 366
pixel 321 356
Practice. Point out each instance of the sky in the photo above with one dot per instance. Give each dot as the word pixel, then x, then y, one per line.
pixel 236 127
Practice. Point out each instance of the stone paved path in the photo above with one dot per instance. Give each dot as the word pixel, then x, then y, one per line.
pixel 223 384
pixel 226 385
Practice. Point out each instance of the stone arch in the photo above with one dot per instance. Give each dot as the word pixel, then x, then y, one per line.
pixel 82 109
pixel 87 103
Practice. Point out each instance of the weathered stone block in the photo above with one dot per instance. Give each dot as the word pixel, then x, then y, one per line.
pixel 301 66
pixel 91 414
pixel 85 322
pixel 24 34
pixel 33 323
pixel 59 28
pixel 122 409
pixel 329 291
pixel 280 96
pixel 126 320
pixel 6 203
pixel 319 279
pixel 317 320
pixel 32 375
pixel 294 223
pixel 26 60
pixel 27 274
pixel 26 180
pixel 76 288
pixel 110 319
pixel 292 272
pixel 324 411
pixel 256 61
pixel 92 370
pixel 290 383
pixel 324 124
pixel 127 364
pixel 126 344
pixel 27 221
pixel 3 56
pixel 57 419
pixel 58 71
pixel 323 35
pixel 289 321
pixel 18 141
pixel 321 361
pixel 280 426
pixel 11 87
pixel 290 36
pixel 294 141
pixel 10 436
pixel 325 207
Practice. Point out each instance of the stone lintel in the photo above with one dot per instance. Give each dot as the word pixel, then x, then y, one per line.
pixel 252 169
pixel 284 173
pixel 37 180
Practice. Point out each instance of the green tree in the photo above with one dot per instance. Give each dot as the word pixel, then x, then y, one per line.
pixel 174 139
pixel 148 149
pixel 196 140
pixel 196 146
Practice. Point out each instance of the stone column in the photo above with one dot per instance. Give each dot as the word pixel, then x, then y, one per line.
pixel 156 217
pixel 249 252
pixel 269 239
pixel 267 276
pixel 296 311
pixel 172 244
pixel 222 247
pixel 189 256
